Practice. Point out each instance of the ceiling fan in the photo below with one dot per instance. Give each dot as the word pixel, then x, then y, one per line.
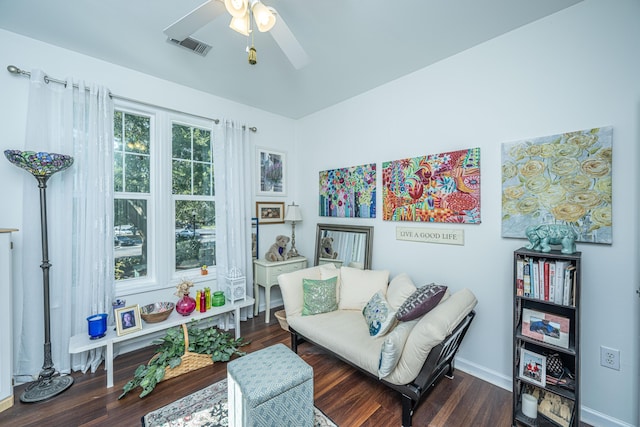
pixel 244 13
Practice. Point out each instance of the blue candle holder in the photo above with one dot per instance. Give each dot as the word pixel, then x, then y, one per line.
pixel 97 325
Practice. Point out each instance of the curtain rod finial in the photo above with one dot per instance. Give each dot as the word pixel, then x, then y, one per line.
pixel 13 69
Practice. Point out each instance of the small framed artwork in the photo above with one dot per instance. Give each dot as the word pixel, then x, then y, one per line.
pixel 270 212
pixel 271 174
pixel 533 367
pixel 128 320
pixel 254 238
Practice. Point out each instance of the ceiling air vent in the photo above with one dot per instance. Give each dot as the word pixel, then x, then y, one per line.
pixel 192 44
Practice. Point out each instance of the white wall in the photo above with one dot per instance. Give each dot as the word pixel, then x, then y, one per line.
pixel 577 69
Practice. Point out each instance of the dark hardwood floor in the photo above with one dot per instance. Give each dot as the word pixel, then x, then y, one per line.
pixel 348 397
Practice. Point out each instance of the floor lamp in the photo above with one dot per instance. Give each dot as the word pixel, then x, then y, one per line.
pixel 42 166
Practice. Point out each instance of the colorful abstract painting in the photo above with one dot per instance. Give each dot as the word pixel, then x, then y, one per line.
pixel 559 179
pixel 435 188
pixel 349 192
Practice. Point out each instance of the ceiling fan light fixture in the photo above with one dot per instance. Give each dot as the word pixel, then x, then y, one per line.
pixel 240 25
pixel 237 8
pixel 264 16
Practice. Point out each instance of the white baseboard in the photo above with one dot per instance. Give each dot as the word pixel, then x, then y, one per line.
pixel 587 415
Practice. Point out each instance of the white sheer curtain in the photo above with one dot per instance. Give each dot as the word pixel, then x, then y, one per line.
pixel 67 120
pixel 232 173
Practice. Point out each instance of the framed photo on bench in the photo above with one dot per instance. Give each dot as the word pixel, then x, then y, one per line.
pixel 128 320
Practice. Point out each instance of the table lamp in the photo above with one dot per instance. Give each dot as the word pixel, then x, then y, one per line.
pixel 294 214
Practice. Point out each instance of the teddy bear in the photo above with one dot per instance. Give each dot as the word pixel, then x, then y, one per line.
pixel 276 251
pixel 326 248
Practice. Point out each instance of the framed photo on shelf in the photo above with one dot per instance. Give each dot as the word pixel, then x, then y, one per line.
pixel 552 406
pixel 128 320
pixel 270 212
pixel 533 367
pixel 271 173
pixel 545 327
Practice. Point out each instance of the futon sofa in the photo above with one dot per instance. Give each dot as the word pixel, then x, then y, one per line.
pixel 353 314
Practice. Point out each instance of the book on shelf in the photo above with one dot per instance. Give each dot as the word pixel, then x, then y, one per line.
pixel 545 268
pixel 527 278
pixel 535 272
pixel 520 277
pixel 552 281
pixel 561 266
pixel 569 285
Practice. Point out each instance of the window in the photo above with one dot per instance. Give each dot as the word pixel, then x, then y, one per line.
pixel 193 190
pixel 164 207
pixel 132 183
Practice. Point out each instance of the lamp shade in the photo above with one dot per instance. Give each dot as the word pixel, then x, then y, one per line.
pixel 241 25
pixel 294 214
pixel 237 8
pixel 264 16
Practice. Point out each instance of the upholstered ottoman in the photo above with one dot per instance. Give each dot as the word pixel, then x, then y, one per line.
pixel 270 387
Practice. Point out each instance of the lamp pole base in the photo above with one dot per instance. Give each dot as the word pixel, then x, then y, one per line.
pixel 45 388
pixel 293 253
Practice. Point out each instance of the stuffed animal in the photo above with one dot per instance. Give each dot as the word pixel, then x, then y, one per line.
pixel 326 248
pixel 277 251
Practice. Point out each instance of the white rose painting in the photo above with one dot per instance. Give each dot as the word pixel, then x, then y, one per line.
pixel 559 179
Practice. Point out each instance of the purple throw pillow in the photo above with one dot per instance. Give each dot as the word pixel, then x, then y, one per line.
pixel 421 302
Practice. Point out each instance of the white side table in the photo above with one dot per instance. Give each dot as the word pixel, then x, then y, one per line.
pixel 266 275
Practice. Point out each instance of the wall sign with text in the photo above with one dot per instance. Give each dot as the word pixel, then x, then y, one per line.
pixel 430 235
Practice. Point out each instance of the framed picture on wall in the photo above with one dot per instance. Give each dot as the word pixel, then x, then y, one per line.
pixel 270 212
pixel 271 173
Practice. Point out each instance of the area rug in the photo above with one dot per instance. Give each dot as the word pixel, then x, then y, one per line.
pixel 206 408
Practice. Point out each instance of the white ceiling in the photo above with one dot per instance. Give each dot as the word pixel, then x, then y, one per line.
pixel 354 45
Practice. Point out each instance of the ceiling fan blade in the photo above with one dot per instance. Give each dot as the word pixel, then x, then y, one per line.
pixel 289 44
pixel 194 20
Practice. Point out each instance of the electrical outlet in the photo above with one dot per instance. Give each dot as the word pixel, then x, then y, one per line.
pixel 610 358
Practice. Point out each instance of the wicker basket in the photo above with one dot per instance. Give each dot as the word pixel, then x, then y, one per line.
pixel 190 360
pixel 281 315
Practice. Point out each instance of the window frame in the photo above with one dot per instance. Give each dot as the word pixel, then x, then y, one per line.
pixel 161 272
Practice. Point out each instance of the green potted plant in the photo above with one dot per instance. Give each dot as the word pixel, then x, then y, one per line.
pixel 218 346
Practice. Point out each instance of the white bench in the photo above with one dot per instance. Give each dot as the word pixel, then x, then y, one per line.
pixel 82 342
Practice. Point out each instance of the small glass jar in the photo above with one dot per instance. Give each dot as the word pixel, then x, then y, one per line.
pixel 218 299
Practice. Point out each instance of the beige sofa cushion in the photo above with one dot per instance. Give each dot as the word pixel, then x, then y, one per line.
pixel 430 330
pixel 343 332
pixel 393 345
pixel 358 286
pixel 400 288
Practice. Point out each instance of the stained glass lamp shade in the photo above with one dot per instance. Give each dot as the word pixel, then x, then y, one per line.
pixel 39 164
pixel 42 166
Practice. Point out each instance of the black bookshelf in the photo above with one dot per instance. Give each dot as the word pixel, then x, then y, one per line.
pixel 546 326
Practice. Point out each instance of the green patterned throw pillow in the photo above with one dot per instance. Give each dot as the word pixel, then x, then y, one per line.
pixel 319 296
